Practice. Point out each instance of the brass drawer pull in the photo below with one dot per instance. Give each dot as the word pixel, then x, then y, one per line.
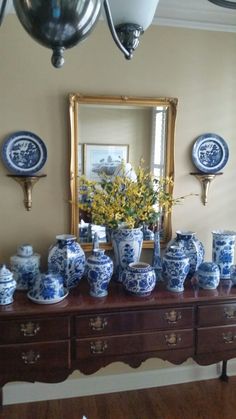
pixel 228 337
pixel 173 316
pixel 230 313
pixel 172 339
pixel 98 323
pixel 30 357
pixel 98 347
pixel 29 328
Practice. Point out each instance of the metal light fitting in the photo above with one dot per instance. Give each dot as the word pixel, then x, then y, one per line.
pixel 62 24
pixel 224 3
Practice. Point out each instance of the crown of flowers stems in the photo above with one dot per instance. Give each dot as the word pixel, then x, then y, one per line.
pixel 122 201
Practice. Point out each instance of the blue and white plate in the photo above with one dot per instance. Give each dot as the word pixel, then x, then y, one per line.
pixel 39 300
pixel 24 153
pixel 210 153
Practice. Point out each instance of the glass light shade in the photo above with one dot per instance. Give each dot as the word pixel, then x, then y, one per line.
pixel 140 12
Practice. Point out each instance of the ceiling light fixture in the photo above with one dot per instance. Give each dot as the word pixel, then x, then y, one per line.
pixel 62 24
pixel 224 3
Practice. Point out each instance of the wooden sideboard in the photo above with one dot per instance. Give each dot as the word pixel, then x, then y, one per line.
pixel 47 342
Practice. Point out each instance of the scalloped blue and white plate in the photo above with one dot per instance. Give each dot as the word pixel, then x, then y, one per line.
pixel 210 153
pixel 24 153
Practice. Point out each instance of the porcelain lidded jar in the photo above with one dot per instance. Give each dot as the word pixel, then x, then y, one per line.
pixel 139 278
pixel 7 286
pixel 175 268
pixel 99 270
pixel 25 266
pixel 67 258
pixel 208 275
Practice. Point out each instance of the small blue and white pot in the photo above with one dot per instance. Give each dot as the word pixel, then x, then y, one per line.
pixel 223 247
pixel 99 270
pixel 7 286
pixel 175 268
pixel 25 266
pixel 139 279
pixel 208 275
pixel 48 286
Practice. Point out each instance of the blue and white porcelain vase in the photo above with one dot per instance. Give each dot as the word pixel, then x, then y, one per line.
pixel 67 258
pixel 147 233
pixel 139 279
pixel 193 249
pixel 175 267
pixel 223 247
pixel 127 246
pixel 99 270
pixel 208 275
pixel 25 267
pixel 7 286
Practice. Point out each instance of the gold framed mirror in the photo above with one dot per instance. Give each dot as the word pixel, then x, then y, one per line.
pixel 129 128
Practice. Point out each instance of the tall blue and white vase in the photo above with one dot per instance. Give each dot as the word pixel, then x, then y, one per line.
pixel 99 270
pixel 223 246
pixel 25 267
pixel 156 258
pixel 127 246
pixel 192 247
pixel 175 267
pixel 67 258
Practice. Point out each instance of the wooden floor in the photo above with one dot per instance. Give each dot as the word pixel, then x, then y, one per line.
pixel 210 399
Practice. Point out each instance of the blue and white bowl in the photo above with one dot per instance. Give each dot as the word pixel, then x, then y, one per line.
pixel 139 278
pixel 48 287
pixel 208 275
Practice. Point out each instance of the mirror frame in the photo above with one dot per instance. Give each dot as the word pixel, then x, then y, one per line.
pixel 77 99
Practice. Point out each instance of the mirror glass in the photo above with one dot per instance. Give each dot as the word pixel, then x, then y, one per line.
pixel 106 130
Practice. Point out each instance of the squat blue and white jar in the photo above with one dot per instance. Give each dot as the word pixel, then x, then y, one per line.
pixel 175 268
pixel 67 258
pixel 99 270
pixel 7 286
pixel 223 246
pixel 127 246
pixel 139 279
pixel 25 267
pixel 192 247
pixel 208 275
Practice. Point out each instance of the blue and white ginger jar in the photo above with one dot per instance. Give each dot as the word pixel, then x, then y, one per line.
pixel 175 268
pixel 208 275
pixel 49 286
pixel 7 286
pixel 192 247
pixel 67 258
pixel 127 246
pixel 99 270
pixel 223 247
pixel 25 267
pixel 139 279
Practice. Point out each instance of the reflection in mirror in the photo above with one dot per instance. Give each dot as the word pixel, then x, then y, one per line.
pixel 106 131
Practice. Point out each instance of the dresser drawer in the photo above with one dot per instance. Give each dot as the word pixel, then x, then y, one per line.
pixel 216 339
pixel 135 343
pixel 217 314
pixel 100 324
pixel 34 329
pixel 35 356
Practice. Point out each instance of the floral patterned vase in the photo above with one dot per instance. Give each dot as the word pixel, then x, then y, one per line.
pixel 67 258
pixel 223 251
pixel 25 267
pixel 139 279
pixel 192 247
pixel 127 246
pixel 99 269
pixel 176 266
pixel 7 286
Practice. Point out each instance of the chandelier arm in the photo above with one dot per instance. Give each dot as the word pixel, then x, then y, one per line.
pixel 2 10
pixel 224 3
pixel 113 30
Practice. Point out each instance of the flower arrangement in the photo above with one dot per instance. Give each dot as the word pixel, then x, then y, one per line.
pixel 126 201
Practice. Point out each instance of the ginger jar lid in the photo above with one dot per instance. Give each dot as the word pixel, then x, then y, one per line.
pixel 5 274
pixel 209 267
pixel 25 250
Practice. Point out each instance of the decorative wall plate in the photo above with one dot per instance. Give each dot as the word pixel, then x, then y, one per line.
pixel 24 153
pixel 210 153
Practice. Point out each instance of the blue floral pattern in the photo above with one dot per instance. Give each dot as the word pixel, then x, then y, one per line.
pixel 223 251
pixel 99 270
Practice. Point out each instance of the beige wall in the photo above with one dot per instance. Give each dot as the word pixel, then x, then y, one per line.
pixel 198 67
